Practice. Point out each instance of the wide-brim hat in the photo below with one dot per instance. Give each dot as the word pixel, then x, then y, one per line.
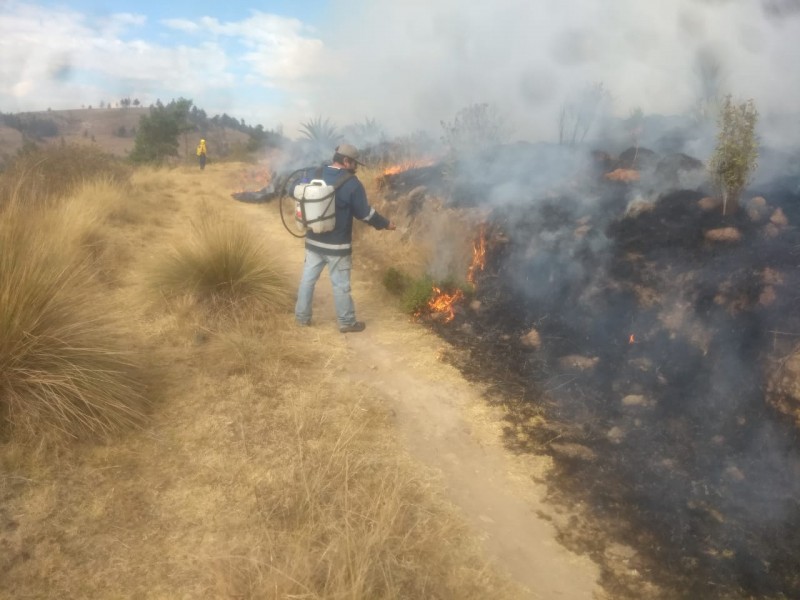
pixel 349 151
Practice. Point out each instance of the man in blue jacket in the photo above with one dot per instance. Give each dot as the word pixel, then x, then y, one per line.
pixel 334 248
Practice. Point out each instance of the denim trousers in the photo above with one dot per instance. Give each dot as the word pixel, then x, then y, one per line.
pixel 339 272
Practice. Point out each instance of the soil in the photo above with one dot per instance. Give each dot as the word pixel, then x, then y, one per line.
pixel 450 427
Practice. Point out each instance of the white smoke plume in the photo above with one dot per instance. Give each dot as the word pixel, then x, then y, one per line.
pixel 414 63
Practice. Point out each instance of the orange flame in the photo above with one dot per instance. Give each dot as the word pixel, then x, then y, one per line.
pixel 478 255
pixel 632 339
pixel 250 178
pixel 444 303
pixel 408 165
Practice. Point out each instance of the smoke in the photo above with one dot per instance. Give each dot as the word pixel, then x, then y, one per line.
pixel 412 64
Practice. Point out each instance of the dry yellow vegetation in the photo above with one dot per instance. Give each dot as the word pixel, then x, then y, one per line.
pixel 250 469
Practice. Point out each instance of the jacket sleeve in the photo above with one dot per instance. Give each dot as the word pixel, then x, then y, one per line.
pixel 363 211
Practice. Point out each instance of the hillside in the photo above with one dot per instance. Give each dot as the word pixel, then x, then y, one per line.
pixel 112 129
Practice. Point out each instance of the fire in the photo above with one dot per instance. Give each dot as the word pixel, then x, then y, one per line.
pixel 478 255
pixel 444 303
pixel 632 339
pixel 407 165
pixel 248 178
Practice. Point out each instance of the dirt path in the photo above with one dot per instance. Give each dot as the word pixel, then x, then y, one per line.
pixel 450 428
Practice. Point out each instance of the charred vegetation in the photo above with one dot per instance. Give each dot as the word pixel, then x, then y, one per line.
pixel 646 342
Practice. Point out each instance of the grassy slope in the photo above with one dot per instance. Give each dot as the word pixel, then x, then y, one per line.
pixel 100 127
pixel 252 479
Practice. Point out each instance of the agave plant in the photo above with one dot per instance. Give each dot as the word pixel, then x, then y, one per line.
pixel 321 132
pixel 321 138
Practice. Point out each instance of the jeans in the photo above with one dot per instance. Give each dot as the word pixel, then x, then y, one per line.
pixel 339 272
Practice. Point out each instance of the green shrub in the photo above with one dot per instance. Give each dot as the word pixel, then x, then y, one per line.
pixel 417 294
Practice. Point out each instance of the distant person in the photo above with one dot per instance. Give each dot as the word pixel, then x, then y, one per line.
pixel 334 248
pixel 201 154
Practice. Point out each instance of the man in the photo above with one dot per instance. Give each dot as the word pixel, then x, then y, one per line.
pixel 201 154
pixel 334 248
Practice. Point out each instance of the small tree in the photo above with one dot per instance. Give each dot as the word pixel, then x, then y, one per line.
pixel 736 155
pixel 157 136
pixel 477 126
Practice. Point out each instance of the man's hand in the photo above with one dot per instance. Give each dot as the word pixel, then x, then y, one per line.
pixel 391 226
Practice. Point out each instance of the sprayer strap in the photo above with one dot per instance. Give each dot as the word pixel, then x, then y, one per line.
pixel 342 178
pixel 339 182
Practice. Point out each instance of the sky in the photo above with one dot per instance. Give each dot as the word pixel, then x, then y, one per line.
pixel 409 65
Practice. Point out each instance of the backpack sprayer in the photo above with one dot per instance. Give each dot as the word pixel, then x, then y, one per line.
pixel 315 201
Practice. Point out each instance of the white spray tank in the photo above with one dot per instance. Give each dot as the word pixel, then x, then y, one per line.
pixel 315 205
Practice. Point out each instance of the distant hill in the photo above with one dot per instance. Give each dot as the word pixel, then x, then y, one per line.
pixel 112 129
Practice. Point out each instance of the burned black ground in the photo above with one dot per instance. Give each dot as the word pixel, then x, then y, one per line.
pixel 662 435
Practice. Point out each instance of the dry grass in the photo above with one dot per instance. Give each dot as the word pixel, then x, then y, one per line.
pixel 263 473
pixel 65 366
pixel 57 171
pixel 339 512
pixel 223 264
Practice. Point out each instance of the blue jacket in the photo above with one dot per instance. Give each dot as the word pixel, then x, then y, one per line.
pixel 351 202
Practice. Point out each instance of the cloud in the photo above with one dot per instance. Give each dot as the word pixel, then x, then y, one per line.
pixel 61 58
pixel 182 25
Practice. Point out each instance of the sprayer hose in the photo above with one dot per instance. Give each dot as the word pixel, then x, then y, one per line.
pixel 291 177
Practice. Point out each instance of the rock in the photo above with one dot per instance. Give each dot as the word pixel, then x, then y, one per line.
pixel 615 435
pixel 635 400
pixel 771 230
pixel 625 175
pixel 709 203
pixel 531 339
pixel 723 234
pixel 757 208
pixel 575 361
pixel 778 218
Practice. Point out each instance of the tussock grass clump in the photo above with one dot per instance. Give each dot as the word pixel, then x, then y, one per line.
pixel 64 369
pixel 223 264
pixel 40 175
